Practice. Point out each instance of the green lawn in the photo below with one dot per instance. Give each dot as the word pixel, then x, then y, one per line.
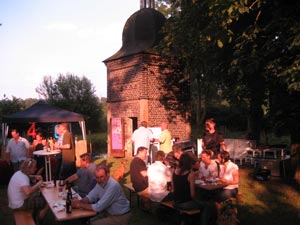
pixel 273 202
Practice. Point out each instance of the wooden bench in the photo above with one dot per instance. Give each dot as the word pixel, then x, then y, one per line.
pixel 169 204
pixel 23 217
pixel 181 212
pixel 131 190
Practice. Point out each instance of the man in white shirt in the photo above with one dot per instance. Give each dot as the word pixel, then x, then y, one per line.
pixel 158 177
pixel 17 149
pixel 141 137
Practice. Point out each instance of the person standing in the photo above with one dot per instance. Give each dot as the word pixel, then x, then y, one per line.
pixel 106 198
pixel 38 144
pixel 165 139
pixel 67 147
pixel 17 149
pixel 159 175
pixel 142 137
pixel 213 140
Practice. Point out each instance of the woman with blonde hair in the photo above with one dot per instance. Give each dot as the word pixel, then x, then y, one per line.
pixel 22 195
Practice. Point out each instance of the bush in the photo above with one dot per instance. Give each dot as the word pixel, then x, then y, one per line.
pixel 99 143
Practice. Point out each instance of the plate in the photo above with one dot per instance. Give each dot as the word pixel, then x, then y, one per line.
pixel 47 184
pixel 199 182
pixel 74 195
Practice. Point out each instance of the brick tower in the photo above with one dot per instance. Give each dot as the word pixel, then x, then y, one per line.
pixel 134 84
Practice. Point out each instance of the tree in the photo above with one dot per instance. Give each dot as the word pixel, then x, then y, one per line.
pixel 195 35
pixel 248 51
pixel 8 106
pixel 75 94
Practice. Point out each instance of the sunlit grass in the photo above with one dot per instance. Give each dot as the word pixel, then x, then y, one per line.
pixel 273 202
pixel 263 202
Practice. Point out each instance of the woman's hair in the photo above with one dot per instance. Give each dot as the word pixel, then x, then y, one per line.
pixel 210 120
pixel 40 134
pixel 225 155
pixel 27 165
pixel 159 156
pixel 185 163
pixel 176 148
pixel 207 152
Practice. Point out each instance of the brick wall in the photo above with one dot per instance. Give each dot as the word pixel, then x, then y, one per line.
pixel 134 88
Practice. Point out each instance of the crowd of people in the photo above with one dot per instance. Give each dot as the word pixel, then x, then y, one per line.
pixel 98 191
pixel 173 174
pixel 170 176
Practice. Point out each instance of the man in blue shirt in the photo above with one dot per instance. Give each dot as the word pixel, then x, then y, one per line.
pixel 107 198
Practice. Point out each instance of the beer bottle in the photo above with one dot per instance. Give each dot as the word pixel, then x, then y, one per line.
pixel 68 199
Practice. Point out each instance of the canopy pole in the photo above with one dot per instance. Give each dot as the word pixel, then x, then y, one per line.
pixel 4 133
pixel 83 131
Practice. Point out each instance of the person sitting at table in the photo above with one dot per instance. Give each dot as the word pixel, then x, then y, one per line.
pixel 21 195
pixel 184 193
pixel 138 171
pixel 172 158
pixel 209 169
pixel 107 198
pixel 229 174
pixel 159 175
pixel 139 176
pixel 84 176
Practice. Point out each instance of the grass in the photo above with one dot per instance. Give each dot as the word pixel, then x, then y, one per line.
pixel 273 202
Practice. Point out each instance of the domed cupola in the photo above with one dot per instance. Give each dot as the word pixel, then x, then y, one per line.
pixel 140 33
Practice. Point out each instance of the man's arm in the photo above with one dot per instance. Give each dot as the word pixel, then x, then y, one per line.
pixel 71 178
pixel 83 204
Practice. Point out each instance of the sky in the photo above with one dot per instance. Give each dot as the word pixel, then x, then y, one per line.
pixel 50 37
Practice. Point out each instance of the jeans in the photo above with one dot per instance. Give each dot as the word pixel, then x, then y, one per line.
pixel 225 194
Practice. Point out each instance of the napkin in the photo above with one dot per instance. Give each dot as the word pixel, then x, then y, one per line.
pixel 59 206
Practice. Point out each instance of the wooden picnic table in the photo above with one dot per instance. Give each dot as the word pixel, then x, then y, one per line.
pixel 210 186
pixel 56 204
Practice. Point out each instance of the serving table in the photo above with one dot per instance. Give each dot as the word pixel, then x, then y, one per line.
pixel 56 203
pixel 47 155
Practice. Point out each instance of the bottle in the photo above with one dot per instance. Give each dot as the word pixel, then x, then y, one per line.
pixel 68 199
pixel 51 144
pixel 54 181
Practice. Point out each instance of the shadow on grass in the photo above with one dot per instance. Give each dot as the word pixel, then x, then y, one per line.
pixel 272 202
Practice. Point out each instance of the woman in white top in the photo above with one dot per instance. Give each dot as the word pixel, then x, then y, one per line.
pixel 22 195
pixel 229 174
pixel 208 167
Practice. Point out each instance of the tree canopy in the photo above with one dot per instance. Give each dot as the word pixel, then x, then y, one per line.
pixel 245 52
pixel 75 94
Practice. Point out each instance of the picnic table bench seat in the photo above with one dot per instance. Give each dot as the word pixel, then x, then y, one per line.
pixel 23 217
pixel 168 204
